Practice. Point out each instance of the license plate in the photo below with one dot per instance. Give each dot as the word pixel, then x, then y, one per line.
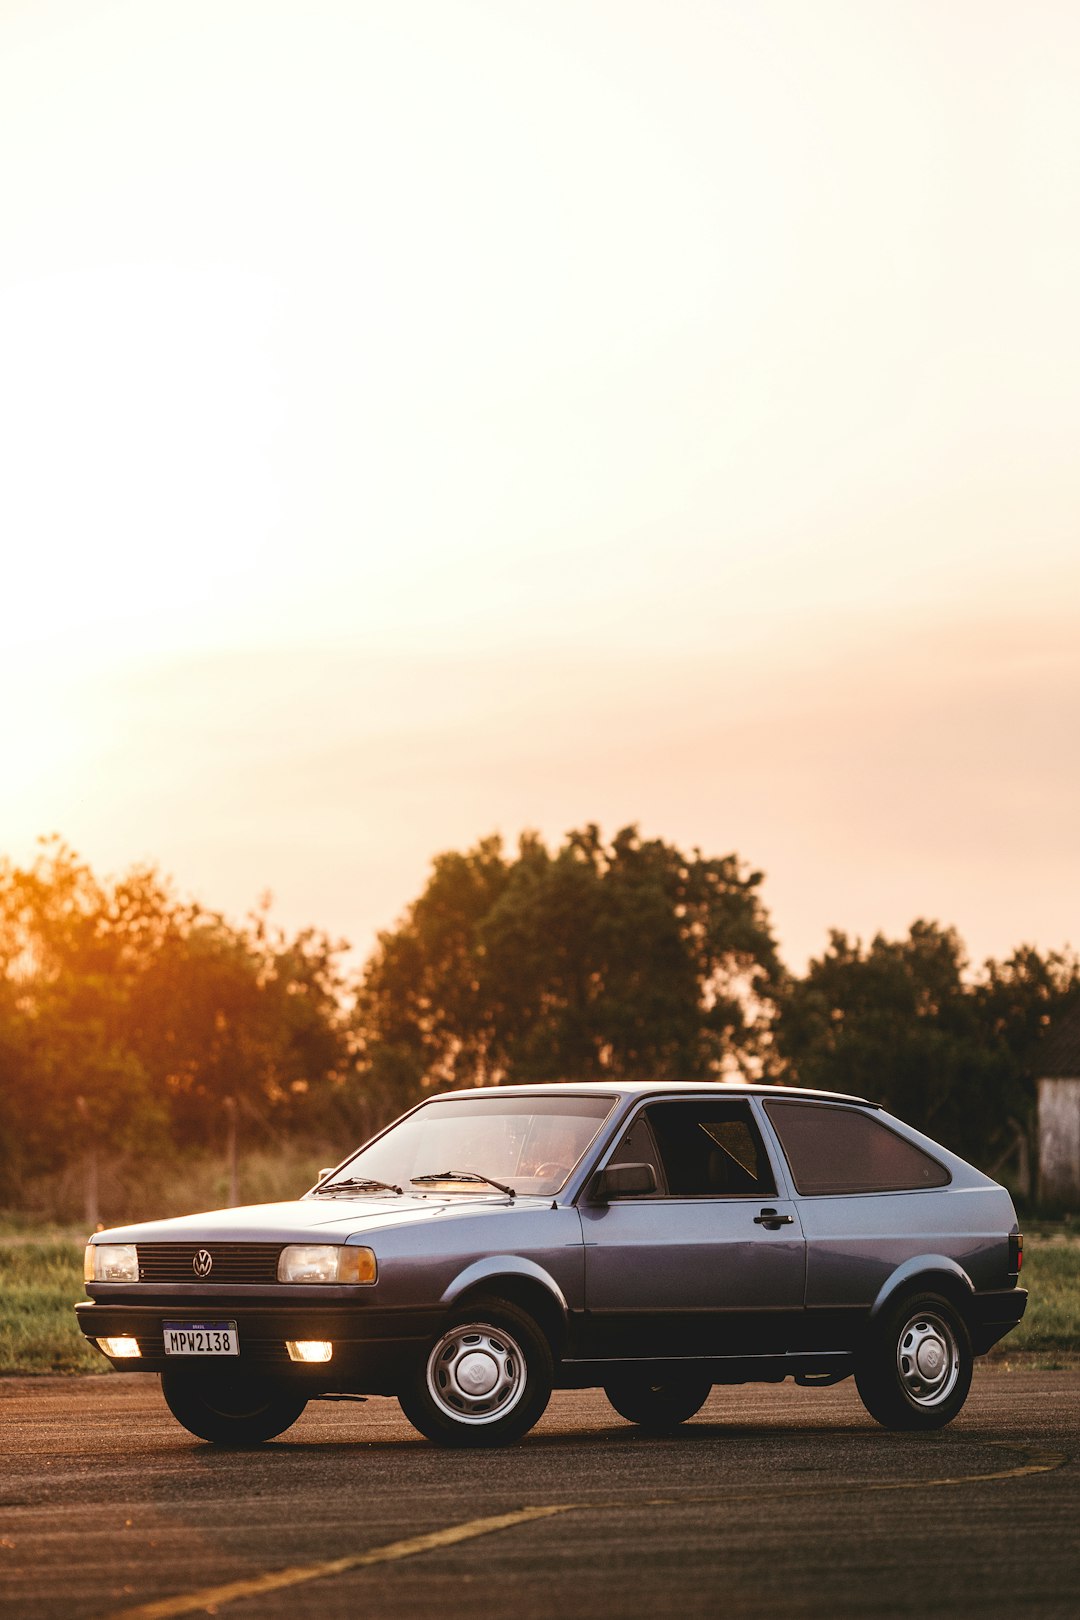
pixel 200 1338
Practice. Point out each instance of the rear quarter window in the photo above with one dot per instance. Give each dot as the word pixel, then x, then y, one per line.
pixel 842 1150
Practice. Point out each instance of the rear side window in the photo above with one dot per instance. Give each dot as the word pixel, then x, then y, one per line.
pixel 842 1150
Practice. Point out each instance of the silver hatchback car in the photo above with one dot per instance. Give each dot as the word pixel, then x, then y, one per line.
pixel 649 1240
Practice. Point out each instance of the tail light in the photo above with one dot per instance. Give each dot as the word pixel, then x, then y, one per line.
pixel 1016 1252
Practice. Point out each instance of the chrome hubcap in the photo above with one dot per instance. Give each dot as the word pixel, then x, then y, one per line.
pixel 476 1373
pixel 928 1359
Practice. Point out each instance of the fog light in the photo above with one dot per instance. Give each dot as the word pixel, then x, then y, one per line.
pixel 121 1347
pixel 309 1349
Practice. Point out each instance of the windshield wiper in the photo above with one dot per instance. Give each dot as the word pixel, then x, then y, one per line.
pixel 357 1183
pixel 461 1175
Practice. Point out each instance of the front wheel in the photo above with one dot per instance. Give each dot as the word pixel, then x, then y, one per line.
pixel 230 1409
pixel 485 1381
pixel 654 1403
pixel 915 1371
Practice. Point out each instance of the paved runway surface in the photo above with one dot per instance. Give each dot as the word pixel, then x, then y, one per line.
pixel 773 1502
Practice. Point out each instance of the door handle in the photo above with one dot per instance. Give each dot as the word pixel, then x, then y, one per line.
pixel 771 1219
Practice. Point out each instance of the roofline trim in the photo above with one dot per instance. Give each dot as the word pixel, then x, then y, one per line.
pixel 637 1088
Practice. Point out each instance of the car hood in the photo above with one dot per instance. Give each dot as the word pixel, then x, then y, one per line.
pixel 331 1219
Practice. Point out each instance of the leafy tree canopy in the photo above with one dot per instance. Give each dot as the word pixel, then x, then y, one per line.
pixel 127 1016
pixel 598 960
pixel 901 1021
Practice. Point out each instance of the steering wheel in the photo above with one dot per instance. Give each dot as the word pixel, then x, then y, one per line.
pixel 552 1168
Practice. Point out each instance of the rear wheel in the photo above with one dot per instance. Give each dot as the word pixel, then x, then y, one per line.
pixel 485 1381
pixel 229 1408
pixel 915 1372
pixel 657 1403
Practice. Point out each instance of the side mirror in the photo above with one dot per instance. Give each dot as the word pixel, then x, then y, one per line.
pixel 623 1181
pixel 327 1170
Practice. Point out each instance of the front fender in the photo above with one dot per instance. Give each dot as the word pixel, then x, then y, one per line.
pixel 504 1265
pixel 923 1271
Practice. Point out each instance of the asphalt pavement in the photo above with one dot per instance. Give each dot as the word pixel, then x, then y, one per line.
pixel 774 1502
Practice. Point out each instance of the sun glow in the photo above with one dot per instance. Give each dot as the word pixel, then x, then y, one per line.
pixel 420 419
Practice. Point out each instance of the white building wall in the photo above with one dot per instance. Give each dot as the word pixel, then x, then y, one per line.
pixel 1059 1142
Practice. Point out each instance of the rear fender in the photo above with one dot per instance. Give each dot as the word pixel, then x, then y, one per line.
pixel 926 1273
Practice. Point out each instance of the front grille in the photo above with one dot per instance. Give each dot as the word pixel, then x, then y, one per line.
pixel 230 1262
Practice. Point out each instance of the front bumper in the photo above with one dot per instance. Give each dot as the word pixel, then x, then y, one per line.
pixel 374 1349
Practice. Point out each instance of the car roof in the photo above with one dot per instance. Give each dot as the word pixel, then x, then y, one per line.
pixel 644 1088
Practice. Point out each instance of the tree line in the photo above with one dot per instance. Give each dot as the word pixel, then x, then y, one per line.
pixel 131 1019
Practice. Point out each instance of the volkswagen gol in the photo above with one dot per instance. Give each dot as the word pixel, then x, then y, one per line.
pixel 649 1240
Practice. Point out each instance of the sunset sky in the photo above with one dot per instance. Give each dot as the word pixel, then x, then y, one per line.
pixel 426 419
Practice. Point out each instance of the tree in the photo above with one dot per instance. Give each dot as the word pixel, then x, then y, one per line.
pixel 904 1022
pixel 239 1012
pixel 619 960
pixel 73 1081
pixel 1018 1002
pixel 1020 998
pixel 421 1016
pixel 127 1017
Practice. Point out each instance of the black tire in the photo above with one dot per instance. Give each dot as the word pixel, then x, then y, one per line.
pixel 657 1403
pixel 230 1409
pixel 915 1370
pixel 485 1380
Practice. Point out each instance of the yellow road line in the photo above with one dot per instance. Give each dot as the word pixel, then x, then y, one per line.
pixel 274 1580
pixel 1039 1461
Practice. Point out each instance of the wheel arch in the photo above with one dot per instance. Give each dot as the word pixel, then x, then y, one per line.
pixel 518 1282
pixel 927 1273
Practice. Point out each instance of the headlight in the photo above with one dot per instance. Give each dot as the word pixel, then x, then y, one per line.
pixel 111 1262
pixel 326 1263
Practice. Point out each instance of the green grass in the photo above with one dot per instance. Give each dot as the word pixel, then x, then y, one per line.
pixel 40 1280
pixel 39 1283
pixel 1051 1324
pixel 41 1242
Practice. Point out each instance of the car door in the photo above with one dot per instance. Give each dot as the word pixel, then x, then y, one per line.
pixel 712 1263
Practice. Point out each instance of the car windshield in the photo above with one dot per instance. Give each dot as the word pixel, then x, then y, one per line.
pixel 530 1143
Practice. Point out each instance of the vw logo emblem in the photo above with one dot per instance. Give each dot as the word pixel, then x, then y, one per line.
pixel 202 1263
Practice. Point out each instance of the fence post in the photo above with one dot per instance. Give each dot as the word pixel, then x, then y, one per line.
pixel 90 1167
pixel 229 1104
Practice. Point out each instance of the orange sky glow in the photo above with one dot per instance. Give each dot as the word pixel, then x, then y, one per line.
pixel 425 420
